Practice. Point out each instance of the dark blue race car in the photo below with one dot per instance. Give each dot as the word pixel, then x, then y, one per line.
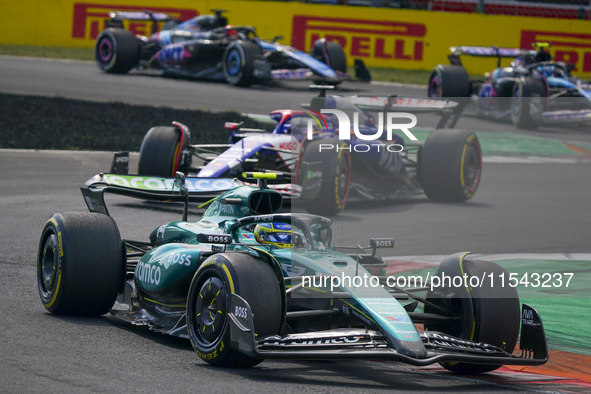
pixel 206 47
pixel 325 164
pixel 534 90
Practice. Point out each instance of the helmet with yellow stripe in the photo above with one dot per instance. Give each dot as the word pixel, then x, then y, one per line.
pixel 275 234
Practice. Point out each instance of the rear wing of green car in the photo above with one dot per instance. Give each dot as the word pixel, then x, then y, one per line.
pixel 198 190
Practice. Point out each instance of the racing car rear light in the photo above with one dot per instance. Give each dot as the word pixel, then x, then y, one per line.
pixel 231 125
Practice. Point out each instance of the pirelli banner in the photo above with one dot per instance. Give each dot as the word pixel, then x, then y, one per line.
pixel 387 38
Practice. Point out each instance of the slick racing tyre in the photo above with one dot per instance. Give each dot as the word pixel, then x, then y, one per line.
pixel 528 98
pixel 495 310
pixel 335 179
pixel 208 305
pixel 450 165
pixel 162 152
pixel 449 81
pixel 80 265
pixel 239 62
pixel 116 50
pixel 331 53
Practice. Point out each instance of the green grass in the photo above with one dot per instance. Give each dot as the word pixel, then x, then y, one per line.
pixel 413 77
pixel 48 52
pixel 397 75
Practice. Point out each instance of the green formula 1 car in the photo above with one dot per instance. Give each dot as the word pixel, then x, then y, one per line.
pixel 246 283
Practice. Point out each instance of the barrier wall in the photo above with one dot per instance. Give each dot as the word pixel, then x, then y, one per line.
pixel 382 37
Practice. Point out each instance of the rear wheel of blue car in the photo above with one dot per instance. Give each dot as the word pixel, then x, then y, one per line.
pixel 80 266
pixel 528 99
pixel 449 81
pixel 450 165
pixel 116 50
pixel 330 198
pixel 239 62
pixel 208 305
pixel 491 314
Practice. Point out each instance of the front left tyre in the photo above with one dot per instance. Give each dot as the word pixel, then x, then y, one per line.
pixel 208 305
pixel 331 53
pixel 162 150
pixel 116 50
pixel 80 264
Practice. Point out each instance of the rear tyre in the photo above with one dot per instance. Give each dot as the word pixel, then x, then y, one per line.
pixel 336 177
pixel 160 152
pixel 449 81
pixel 208 305
pixel 79 264
pixel 331 53
pixel 526 100
pixel 496 315
pixel 116 50
pixel 239 62
pixel 450 165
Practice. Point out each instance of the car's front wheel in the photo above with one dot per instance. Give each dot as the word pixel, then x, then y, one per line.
pixel 208 305
pixel 495 317
pixel 80 266
pixel 163 152
pixel 528 98
pixel 239 62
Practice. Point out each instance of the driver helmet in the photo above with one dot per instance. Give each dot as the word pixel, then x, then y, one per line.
pixel 275 234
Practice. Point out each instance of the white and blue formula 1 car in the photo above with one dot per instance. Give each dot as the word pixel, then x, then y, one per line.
pixel 533 91
pixel 206 47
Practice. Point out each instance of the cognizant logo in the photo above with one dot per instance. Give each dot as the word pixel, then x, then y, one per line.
pixel 348 131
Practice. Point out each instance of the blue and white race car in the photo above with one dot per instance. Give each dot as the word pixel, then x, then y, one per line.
pixel 206 47
pixel 324 163
pixel 534 90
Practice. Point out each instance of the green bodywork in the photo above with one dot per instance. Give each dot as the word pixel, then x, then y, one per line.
pixel 163 274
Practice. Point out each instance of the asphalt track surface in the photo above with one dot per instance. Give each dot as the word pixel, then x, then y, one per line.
pixel 84 80
pixel 526 208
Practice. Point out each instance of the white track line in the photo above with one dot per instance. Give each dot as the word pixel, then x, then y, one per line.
pixel 534 160
pixel 398 85
pixel 437 259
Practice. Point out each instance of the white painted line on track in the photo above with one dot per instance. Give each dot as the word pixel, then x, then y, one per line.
pixel 438 258
pixel 398 85
pixel 46 59
pixel 534 160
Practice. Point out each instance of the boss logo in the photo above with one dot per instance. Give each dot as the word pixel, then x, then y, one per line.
pixel 241 312
pixel 381 242
pixel 214 238
pixel 182 259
